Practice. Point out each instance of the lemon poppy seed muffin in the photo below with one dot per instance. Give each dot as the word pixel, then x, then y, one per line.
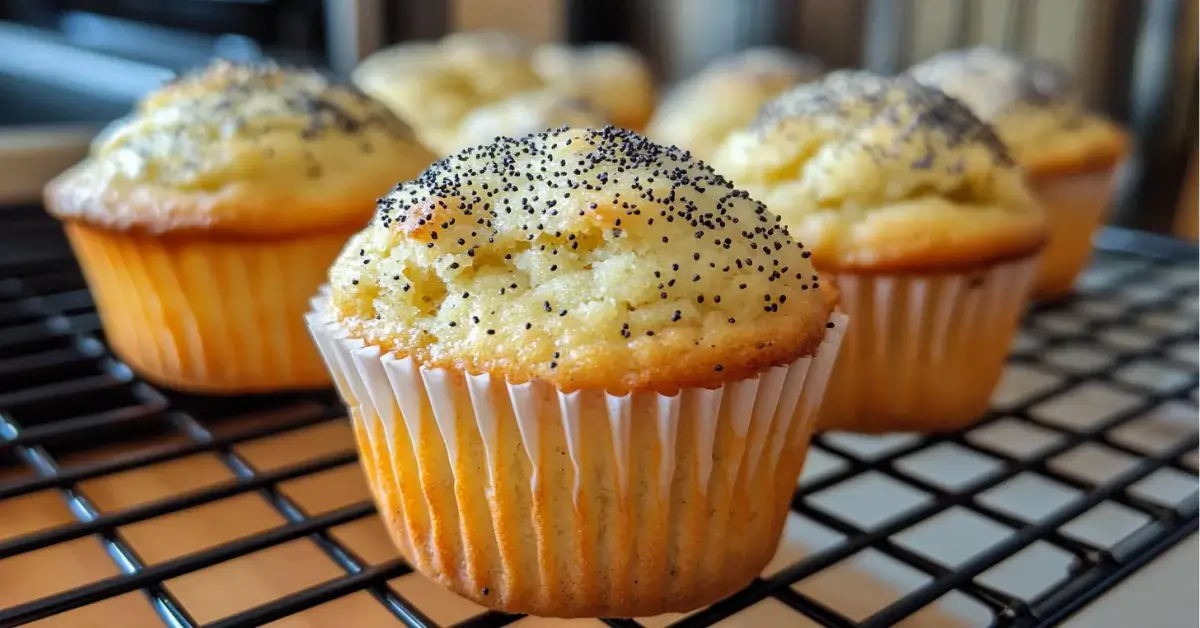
pixel 637 266
pixel 525 114
pixel 925 220
pixel 1035 106
pixel 779 68
pixel 221 149
pixel 205 218
pixel 623 355
pixel 884 174
pixel 614 79
pixel 433 85
pixel 1069 153
pixel 700 112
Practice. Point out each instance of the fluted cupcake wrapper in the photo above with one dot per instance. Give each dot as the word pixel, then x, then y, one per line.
pixel 1075 206
pixel 925 352
pixel 205 315
pixel 528 498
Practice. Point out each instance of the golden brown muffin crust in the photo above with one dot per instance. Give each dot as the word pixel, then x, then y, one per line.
pixel 882 174
pixel 588 258
pixel 243 150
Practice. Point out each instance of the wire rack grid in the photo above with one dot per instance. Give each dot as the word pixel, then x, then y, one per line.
pixel 1084 470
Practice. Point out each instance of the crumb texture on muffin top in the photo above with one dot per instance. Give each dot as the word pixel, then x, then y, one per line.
pixel 702 110
pixel 1034 105
pixel 589 258
pixel 251 149
pixel 524 114
pixel 884 173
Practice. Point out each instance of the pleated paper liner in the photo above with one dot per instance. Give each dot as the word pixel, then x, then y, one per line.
pixel 530 499
pixel 206 315
pixel 1075 206
pixel 925 352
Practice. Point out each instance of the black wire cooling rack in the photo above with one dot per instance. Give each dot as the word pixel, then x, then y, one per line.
pixel 1084 470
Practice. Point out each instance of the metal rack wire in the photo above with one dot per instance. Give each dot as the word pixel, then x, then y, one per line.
pixel 1096 377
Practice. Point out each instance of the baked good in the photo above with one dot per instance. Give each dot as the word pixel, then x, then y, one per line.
pixel 613 78
pixel 1069 154
pixel 583 375
pixel 486 43
pixel 917 210
pixel 524 114
pixel 699 112
pixel 433 85
pixel 205 219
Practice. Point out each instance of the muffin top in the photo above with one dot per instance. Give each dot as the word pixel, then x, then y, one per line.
pixel 771 65
pixel 524 114
pixel 253 150
pixel 615 79
pixel 433 85
pixel 885 173
pixel 701 111
pixel 486 42
pixel 1034 105
pixel 585 257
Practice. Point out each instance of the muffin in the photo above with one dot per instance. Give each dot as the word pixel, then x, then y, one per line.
pixel 916 209
pixel 579 388
pixel 1070 155
pixel 205 219
pixel 434 85
pixel 614 79
pixel 700 112
pixel 486 42
pixel 525 114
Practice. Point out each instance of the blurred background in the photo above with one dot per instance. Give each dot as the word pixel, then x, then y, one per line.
pixel 69 66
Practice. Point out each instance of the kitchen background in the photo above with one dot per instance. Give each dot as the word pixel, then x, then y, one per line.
pixel 68 66
pixel 196 507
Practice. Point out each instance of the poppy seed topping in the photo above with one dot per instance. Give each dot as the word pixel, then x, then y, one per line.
pixel 601 311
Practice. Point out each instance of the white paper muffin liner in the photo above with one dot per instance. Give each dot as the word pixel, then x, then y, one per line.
pixel 925 351
pixel 528 498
